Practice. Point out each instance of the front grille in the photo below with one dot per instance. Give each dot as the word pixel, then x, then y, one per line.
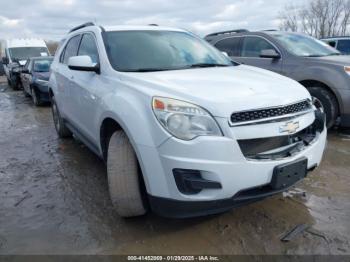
pixel 282 146
pixel 259 114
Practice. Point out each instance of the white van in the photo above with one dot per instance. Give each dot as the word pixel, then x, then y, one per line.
pixel 15 52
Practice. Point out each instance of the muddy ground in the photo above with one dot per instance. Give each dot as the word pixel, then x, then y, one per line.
pixel 54 200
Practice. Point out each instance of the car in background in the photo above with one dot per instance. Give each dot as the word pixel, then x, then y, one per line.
pixel 16 52
pixel 34 77
pixel 2 72
pixel 341 43
pixel 317 66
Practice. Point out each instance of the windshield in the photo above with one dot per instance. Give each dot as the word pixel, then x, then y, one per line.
pixel 42 65
pixel 23 53
pixel 302 45
pixel 142 51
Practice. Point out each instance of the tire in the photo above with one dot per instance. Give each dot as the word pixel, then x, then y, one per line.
pixel 25 93
pixel 329 103
pixel 15 85
pixel 35 97
pixel 61 129
pixel 123 177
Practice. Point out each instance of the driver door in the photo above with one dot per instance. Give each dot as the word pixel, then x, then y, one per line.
pixel 251 49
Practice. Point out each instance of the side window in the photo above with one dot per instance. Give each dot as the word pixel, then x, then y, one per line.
pixel 229 45
pixel 332 43
pixel 344 46
pixel 71 48
pixel 62 55
pixel 88 47
pixel 252 46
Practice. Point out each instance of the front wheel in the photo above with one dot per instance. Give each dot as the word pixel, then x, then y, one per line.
pixel 35 97
pixel 123 177
pixel 326 101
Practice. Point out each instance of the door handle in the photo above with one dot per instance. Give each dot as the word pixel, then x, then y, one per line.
pixel 72 77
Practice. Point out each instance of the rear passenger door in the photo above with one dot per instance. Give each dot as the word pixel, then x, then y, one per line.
pixel 65 78
pixel 251 48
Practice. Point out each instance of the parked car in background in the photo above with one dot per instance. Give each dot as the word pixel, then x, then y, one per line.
pixel 2 72
pixel 317 66
pixel 35 76
pixel 181 128
pixel 16 52
pixel 341 43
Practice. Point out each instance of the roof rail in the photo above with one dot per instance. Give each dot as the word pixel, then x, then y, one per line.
pixel 82 26
pixel 229 32
pixel 269 30
pixel 153 24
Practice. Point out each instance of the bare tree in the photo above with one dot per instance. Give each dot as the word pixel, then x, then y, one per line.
pixel 290 19
pixel 319 18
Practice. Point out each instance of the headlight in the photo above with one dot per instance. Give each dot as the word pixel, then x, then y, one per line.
pixel 41 81
pixel 347 69
pixel 184 120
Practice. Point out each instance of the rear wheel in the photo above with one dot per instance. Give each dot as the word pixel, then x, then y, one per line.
pixel 327 101
pixel 60 126
pixel 124 181
pixel 15 84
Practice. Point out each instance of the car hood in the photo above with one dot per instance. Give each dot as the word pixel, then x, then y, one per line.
pixel 42 75
pixel 343 60
pixel 222 90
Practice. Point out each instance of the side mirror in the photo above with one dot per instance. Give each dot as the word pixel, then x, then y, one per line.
pixel 270 53
pixel 83 63
pixel 225 54
pixel 5 61
pixel 25 71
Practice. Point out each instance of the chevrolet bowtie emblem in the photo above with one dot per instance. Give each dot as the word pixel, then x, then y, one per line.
pixel 289 127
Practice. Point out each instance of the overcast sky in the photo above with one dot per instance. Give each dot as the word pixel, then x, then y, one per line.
pixel 51 19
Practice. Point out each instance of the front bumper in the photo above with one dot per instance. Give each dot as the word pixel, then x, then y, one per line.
pixel 218 159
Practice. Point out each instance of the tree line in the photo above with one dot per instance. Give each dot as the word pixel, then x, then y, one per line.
pixel 318 18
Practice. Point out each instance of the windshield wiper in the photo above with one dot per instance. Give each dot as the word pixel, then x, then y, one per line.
pixel 199 65
pixel 148 69
pixel 313 55
pixel 331 54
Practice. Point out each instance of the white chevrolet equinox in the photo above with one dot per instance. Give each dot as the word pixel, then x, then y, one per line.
pixel 184 131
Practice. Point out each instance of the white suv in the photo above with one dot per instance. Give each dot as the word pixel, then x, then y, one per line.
pixel 184 130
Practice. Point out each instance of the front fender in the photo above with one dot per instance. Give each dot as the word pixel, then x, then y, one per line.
pixel 135 116
pixel 333 78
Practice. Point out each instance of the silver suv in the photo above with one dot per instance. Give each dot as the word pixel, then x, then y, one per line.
pixel 314 64
pixel 182 129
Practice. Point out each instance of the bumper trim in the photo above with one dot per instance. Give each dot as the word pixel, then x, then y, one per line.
pixel 172 208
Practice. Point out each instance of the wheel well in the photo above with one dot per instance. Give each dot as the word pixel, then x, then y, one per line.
pixel 50 93
pixel 311 83
pixel 108 127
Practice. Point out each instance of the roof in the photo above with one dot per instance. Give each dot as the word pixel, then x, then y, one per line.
pixel 336 38
pixel 150 27
pixel 141 27
pixel 25 42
